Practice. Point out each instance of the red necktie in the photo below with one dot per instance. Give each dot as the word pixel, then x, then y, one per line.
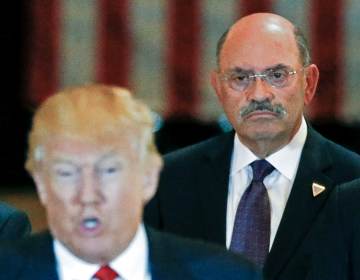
pixel 105 273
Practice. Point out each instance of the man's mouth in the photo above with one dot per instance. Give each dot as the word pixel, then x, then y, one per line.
pixel 90 223
pixel 90 226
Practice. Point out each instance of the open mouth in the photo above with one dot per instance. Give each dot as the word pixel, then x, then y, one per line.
pixel 90 223
pixel 90 226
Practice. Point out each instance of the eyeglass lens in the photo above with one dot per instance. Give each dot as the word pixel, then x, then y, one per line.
pixel 277 77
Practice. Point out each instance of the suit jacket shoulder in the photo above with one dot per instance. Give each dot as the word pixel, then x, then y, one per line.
pixel 30 258
pixel 344 160
pixel 13 223
pixel 221 144
pixel 178 258
pixel 194 178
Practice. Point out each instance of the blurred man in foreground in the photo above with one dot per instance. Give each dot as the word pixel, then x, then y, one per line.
pixel 92 157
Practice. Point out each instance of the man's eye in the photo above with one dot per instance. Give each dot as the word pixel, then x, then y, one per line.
pixel 240 77
pixel 109 170
pixel 65 173
pixel 279 74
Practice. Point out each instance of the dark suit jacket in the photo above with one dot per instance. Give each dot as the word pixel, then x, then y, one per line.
pixel 171 258
pixel 193 188
pixel 13 223
pixel 338 256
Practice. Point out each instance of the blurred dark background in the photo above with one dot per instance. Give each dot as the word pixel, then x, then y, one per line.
pixel 14 114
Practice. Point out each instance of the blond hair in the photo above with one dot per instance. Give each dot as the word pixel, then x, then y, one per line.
pixel 93 112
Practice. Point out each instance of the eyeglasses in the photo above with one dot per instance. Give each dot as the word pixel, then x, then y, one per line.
pixel 278 77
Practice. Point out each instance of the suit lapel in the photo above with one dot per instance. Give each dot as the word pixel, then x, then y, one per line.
pixel 213 190
pixel 302 207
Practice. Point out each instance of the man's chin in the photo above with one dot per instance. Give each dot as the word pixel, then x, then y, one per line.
pixel 94 254
pixel 262 130
pixel 263 135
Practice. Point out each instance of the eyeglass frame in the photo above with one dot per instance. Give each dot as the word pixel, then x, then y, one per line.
pixel 262 75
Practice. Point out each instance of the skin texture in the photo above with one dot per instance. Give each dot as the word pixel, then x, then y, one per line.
pixel 258 42
pixel 80 179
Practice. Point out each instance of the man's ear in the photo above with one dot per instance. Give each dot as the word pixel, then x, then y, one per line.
pixel 312 78
pixel 40 187
pixel 151 176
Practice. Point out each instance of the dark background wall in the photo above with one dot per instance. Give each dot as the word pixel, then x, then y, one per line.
pixel 14 115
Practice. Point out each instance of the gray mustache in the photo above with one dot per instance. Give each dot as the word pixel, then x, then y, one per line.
pixel 266 105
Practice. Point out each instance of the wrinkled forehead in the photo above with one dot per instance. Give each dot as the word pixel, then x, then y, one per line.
pixel 260 44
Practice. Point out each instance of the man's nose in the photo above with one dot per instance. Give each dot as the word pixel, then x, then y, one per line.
pixel 90 191
pixel 260 89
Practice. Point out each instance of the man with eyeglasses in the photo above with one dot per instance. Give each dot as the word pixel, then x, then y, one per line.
pixel 258 190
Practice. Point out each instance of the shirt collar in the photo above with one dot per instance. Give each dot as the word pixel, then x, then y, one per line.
pixel 287 159
pixel 132 263
pixel 243 156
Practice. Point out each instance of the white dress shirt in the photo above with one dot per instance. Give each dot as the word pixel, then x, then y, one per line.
pixel 278 183
pixel 132 264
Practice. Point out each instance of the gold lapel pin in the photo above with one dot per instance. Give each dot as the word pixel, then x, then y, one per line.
pixel 317 189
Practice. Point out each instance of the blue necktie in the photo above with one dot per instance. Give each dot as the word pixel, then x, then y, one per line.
pixel 251 233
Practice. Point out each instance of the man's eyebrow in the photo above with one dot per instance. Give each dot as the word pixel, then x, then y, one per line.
pixel 111 155
pixel 108 155
pixel 240 70
pixel 277 66
pixel 63 161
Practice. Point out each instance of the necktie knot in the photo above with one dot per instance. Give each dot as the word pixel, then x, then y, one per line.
pixel 105 273
pixel 261 168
